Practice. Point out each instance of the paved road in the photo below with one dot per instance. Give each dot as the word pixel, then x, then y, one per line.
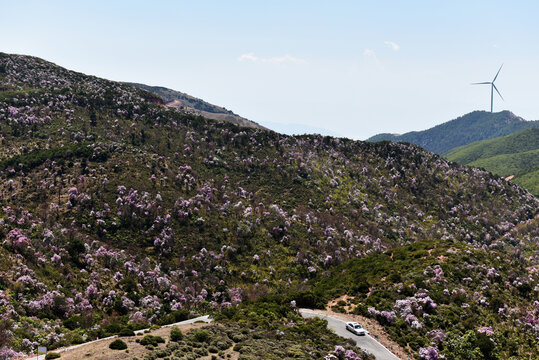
pixel 205 318
pixel 366 342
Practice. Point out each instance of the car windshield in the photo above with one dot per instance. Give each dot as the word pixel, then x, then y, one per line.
pixel 357 326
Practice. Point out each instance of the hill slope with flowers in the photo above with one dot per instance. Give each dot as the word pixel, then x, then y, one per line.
pixel 118 212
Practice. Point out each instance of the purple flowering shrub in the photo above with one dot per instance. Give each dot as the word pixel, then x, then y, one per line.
pixel 118 208
pixel 437 297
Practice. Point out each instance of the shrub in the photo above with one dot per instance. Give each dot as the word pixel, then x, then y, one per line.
pixel 201 335
pixel 151 340
pixel 175 334
pixel 73 322
pixel 223 344
pixel 52 355
pixel 309 299
pixel 77 339
pixel 173 317
pixel 112 329
pixel 118 345
pixel 126 332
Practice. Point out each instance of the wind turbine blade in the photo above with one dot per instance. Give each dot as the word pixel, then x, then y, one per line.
pixel 482 83
pixel 497 74
pixel 495 88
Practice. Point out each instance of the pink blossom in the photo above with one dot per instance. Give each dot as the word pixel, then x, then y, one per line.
pixel 487 330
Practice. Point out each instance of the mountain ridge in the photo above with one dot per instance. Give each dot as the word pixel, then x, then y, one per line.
pixel 195 105
pixel 475 126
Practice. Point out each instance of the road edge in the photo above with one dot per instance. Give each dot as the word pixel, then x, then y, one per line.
pixel 323 315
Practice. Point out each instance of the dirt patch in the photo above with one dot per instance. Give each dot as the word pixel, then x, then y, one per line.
pixel 441 259
pixel 374 328
pixel 100 350
pixel 349 307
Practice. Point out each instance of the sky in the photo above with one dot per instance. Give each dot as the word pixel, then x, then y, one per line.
pixel 348 68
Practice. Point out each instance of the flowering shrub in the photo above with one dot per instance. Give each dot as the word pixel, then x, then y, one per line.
pixel 116 207
pixel 414 309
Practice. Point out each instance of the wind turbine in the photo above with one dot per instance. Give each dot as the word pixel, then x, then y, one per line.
pixel 492 87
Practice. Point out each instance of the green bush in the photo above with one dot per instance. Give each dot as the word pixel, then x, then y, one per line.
pixel 201 335
pixel 118 345
pixel 174 317
pixel 151 340
pixel 112 329
pixel 175 334
pixel 309 299
pixel 77 339
pixel 126 332
pixel 52 355
pixel 73 322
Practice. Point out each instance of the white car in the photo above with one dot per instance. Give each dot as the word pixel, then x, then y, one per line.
pixel 356 328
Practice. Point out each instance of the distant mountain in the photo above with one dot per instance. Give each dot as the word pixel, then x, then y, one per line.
pixel 196 106
pixel 512 155
pixel 475 126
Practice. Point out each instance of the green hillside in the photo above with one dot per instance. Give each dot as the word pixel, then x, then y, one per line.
pixel 512 155
pixel 118 213
pixel 529 181
pixel 475 126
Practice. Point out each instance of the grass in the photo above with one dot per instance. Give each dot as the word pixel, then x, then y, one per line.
pixel 516 154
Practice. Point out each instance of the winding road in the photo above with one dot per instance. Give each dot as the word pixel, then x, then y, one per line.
pixel 366 342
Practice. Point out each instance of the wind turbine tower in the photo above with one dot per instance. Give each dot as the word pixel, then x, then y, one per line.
pixel 492 88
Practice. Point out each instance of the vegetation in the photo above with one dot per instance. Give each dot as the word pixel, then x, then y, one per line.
pixel 512 155
pixel 119 214
pixel 438 292
pixel 268 328
pixel 52 355
pixel 118 344
pixel 475 126
pixel 197 106
pixel 151 340
pixel 175 334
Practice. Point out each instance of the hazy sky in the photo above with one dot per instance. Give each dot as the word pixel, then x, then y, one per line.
pixel 356 68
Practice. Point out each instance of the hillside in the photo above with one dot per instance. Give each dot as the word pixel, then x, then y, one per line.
pixel 475 126
pixel 196 106
pixel 118 212
pixel 512 155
